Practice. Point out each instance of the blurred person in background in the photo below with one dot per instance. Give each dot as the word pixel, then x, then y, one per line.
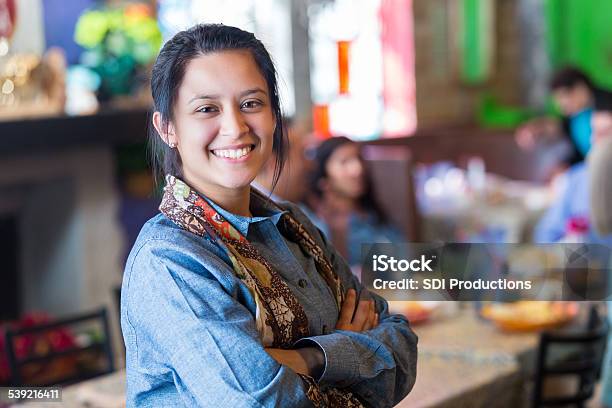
pixel 291 185
pixel 569 217
pixel 577 98
pixel 229 299
pixel 600 169
pixel 341 200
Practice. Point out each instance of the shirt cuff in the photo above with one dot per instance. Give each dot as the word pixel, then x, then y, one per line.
pixel 341 366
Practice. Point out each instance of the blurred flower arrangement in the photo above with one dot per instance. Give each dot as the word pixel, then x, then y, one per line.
pixel 120 44
pixel 38 345
pixel 43 344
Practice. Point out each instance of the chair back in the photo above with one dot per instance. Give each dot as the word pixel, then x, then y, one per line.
pixel 577 354
pixel 391 172
pixel 62 352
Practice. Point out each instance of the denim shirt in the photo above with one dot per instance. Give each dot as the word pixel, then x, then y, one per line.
pixel 573 201
pixel 190 334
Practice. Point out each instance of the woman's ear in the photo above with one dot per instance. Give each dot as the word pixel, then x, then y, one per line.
pixel 165 131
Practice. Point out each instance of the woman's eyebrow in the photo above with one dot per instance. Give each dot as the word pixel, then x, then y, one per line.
pixel 253 91
pixel 242 94
pixel 204 97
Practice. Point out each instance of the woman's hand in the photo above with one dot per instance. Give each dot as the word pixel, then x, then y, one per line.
pixel 307 360
pixel 529 133
pixel 365 317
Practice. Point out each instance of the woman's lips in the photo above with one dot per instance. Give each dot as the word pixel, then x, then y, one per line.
pixel 235 153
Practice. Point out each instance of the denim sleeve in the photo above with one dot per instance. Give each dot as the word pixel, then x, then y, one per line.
pixel 379 365
pixel 193 330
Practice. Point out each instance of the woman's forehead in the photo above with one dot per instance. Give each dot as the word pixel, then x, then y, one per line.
pixel 346 150
pixel 221 74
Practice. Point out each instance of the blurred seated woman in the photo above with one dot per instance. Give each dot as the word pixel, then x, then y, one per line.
pixel 341 201
pixel 230 299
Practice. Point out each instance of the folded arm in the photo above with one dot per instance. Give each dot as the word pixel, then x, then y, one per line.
pixel 378 364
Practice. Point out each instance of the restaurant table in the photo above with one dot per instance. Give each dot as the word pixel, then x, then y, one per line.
pixel 481 222
pixel 466 361
pixel 506 213
pixel 463 361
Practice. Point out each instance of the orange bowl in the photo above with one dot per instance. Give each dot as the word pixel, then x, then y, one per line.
pixel 416 312
pixel 528 316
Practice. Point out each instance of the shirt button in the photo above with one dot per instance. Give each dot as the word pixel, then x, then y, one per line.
pixel 302 283
pixel 324 329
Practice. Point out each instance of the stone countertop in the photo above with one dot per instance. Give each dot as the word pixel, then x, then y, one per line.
pixel 467 361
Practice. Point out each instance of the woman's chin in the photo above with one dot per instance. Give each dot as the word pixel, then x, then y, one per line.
pixel 238 183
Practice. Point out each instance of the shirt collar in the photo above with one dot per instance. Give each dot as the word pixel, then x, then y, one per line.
pixel 262 207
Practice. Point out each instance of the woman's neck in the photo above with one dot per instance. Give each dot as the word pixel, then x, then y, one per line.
pixel 235 200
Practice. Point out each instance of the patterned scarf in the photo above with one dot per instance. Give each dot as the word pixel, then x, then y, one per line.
pixel 280 318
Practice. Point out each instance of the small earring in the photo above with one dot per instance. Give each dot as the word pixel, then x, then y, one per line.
pixel 172 145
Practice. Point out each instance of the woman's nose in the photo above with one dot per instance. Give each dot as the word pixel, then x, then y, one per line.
pixel 357 168
pixel 233 124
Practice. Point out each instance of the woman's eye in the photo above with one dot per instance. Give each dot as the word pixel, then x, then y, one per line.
pixel 207 109
pixel 251 105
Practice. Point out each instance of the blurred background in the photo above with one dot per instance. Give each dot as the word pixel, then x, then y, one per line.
pixel 434 94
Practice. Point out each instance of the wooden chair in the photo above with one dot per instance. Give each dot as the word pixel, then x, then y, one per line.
pixel 587 349
pixel 80 362
pixel 391 171
pixel 497 148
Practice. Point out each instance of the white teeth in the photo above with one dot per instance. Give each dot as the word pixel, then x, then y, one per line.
pixel 233 153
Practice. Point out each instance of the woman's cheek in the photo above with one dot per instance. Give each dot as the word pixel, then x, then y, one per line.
pixel 201 138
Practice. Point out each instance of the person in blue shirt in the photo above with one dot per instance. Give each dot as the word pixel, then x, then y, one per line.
pixel 577 98
pixel 572 203
pixel 228 298
pixel 341 201
pixel 574 200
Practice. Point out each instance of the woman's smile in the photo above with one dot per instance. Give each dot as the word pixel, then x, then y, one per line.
pixel 236 154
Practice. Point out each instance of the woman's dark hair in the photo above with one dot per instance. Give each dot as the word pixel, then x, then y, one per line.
pixel 169 70
pixel 569 77
pixel 321 157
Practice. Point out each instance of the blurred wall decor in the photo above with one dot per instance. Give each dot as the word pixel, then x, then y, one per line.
pixel 270 20
pixel 30 84
pixel 346 66
pixel 579 33
pixel 7 18
pixel 400 117
pixel 476 39
pixel 120 42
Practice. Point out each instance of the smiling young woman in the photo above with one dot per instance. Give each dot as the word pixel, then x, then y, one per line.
pixel 228 298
